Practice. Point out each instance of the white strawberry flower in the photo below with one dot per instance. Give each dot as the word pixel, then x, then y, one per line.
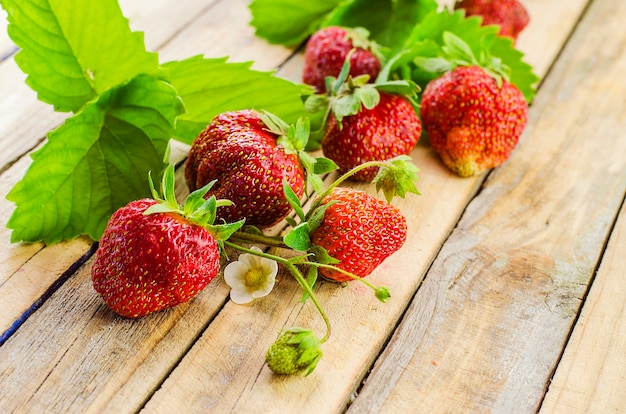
pixel 250 277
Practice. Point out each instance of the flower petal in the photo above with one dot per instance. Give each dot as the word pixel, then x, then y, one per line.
pixel 265 289
pixel 241 296
pixel 234 273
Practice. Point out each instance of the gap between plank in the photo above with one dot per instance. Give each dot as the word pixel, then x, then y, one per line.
pixel 596 268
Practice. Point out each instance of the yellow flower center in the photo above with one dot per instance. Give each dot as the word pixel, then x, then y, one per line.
pixel 255 278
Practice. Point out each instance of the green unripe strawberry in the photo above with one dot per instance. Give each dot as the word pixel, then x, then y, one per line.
pixel 296 351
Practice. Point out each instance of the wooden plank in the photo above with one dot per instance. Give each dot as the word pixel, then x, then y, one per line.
pixel 534 39
pixel 219 33
pixel 486 329
pixel 236 340
pixel 83 334
pixel 87 357
pixel 28 270
pixel 6 45
pixel 591 376
pixel 106 363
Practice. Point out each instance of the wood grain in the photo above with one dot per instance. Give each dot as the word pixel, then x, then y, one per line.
pixel 26 121
pixel 485 329
pixel 74 355
pixel 6 45
pixel 591 376
pixel 360 332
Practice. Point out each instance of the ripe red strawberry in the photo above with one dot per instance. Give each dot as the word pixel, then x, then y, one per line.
pixel 358 230
pixel 510 15
pixel 154 256
pixel 239 151
pixel 389 129
pixel 473 123
pixel 326 52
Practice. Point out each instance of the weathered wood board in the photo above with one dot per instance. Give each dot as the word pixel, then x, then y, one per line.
pixel 486 328
pixel 590 376
pixel 6 45
pixel 491 298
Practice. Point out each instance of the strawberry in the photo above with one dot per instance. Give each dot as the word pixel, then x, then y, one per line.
pixel 240 151
pixel 359 231
pixel 326 52
pixel 384 131
pixel 154 256
pixel 296 351
pixel 510 15
pixel 366 122
pixel 473 123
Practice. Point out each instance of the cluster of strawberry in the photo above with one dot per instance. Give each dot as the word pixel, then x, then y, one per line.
pixel 249 171
pixel 473 116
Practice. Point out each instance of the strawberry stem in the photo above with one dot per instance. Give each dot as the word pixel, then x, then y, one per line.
pixel 259 239
pixel 289 264
pixel 382 293
pixel 345 177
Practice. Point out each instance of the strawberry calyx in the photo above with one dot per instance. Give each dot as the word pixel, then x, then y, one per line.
pixel 196 209
pixel 347 95
pixel 396 177
pixel 360 38
pixel 456 52
pixel 294 139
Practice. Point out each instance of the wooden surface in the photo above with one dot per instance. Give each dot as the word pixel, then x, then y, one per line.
pixel 590 376
pixel 508 295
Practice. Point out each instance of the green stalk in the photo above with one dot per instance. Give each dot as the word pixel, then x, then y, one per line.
pixel 343 178
pixel 381 292
pixel 258 239
pixel 296 274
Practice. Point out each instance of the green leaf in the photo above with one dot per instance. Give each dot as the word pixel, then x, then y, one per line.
pixel 308 163
pixel 94 163
pixel 276 125
pixel 298 238
pixel 368 96
pixel 389 22
pixel 196 201
pixel 400 87
pixel 343 74
pixel 209 87
pixel 293 199
pixel 520 73
pixel 316 217
pixel 322 256
pixel 222 232
pixel 316 103
pixel 311 278
pixel 324 166
pixel 346 105
pixel 435 64
pixel 297 136
pixel 456 48
pixel 427 41
pixel 288 22
pixel 301 136
pixel 70 58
